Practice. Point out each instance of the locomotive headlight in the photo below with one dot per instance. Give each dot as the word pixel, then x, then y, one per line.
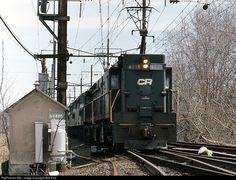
pixel 145 61
pixel 145 64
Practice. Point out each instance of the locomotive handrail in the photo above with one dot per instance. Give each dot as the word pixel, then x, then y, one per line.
pixel 92 106
pixel 110 108
pixel 117 94
pixel 112 104
pixel 93 118
pixel 100 97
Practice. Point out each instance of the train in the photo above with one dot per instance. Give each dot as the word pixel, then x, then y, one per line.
pixel 129 107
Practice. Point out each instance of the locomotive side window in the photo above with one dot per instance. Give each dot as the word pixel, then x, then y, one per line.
pixel 115 82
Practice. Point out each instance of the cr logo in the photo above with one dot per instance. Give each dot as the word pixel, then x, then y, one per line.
pixel 144 82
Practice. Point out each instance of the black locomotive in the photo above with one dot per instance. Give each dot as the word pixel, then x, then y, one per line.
pixel 130 106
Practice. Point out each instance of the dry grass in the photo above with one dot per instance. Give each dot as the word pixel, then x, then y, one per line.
pixel 4 153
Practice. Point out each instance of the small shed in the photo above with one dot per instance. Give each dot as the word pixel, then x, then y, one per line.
pixel 33 110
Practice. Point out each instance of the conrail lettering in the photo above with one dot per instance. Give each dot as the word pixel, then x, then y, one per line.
pixel 144 82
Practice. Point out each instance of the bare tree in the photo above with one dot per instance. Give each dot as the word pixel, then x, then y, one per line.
pixel 3 100
pixel 203 56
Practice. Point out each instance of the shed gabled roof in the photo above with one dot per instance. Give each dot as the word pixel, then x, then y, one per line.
pixel 35 91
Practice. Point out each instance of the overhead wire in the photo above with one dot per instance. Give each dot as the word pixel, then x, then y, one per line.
pixel 80 16
pixel 173 21
pixel 114 27
pixel 165 35
pixel 93 35
pixel 101 23
pixel 159 37
pixel 205 24
pixel 14 36
pixel 188 15
pixel 82 9
pixel 175 27
pixel 163 43
pixel 101 43
pixel 161 13
pixel 36 62
pixel 126 22
pixel 116 24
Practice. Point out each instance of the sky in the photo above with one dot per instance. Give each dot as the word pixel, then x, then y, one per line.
pixel 21 70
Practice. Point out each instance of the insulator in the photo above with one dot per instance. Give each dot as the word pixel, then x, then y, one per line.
pixel 205 7
pixel 174 1
pixel 43 6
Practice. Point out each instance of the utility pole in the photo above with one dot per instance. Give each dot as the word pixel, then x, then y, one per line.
pixel 91 79
pixel 143 31
pixel 140 16
pixel 62 53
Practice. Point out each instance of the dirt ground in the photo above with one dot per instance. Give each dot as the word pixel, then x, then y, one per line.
pixel 3 151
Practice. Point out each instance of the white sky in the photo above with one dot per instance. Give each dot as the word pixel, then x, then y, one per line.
pixel 21 70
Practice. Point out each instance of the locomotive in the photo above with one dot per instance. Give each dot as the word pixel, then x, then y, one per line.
pixel 130 106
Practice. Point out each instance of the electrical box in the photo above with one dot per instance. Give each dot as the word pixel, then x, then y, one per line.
pixel 38 142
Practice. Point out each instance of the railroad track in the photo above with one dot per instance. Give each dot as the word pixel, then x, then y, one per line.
pixel 225 163
pixel 188 163
pixel 177 159
pixel 194 146
pixel 149 166
pixel 199 165
pixel 118 165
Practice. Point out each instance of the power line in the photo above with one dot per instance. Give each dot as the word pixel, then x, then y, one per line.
pixel 14 36
pixel 205 24
pixel 218 15
pixel 36 63
pixel 92 36
pixel 81 12
pixel 173 21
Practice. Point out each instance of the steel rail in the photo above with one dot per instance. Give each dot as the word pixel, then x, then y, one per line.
pixel 226 149
pixel 183 166
pixel 194 162
pixel 216 155
pixel 114 170
pixel 228 164
pixel 150 167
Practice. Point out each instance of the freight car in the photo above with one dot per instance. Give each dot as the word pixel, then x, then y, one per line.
pixel 130 106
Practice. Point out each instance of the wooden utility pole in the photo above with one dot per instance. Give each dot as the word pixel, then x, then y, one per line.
pixel 62 53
